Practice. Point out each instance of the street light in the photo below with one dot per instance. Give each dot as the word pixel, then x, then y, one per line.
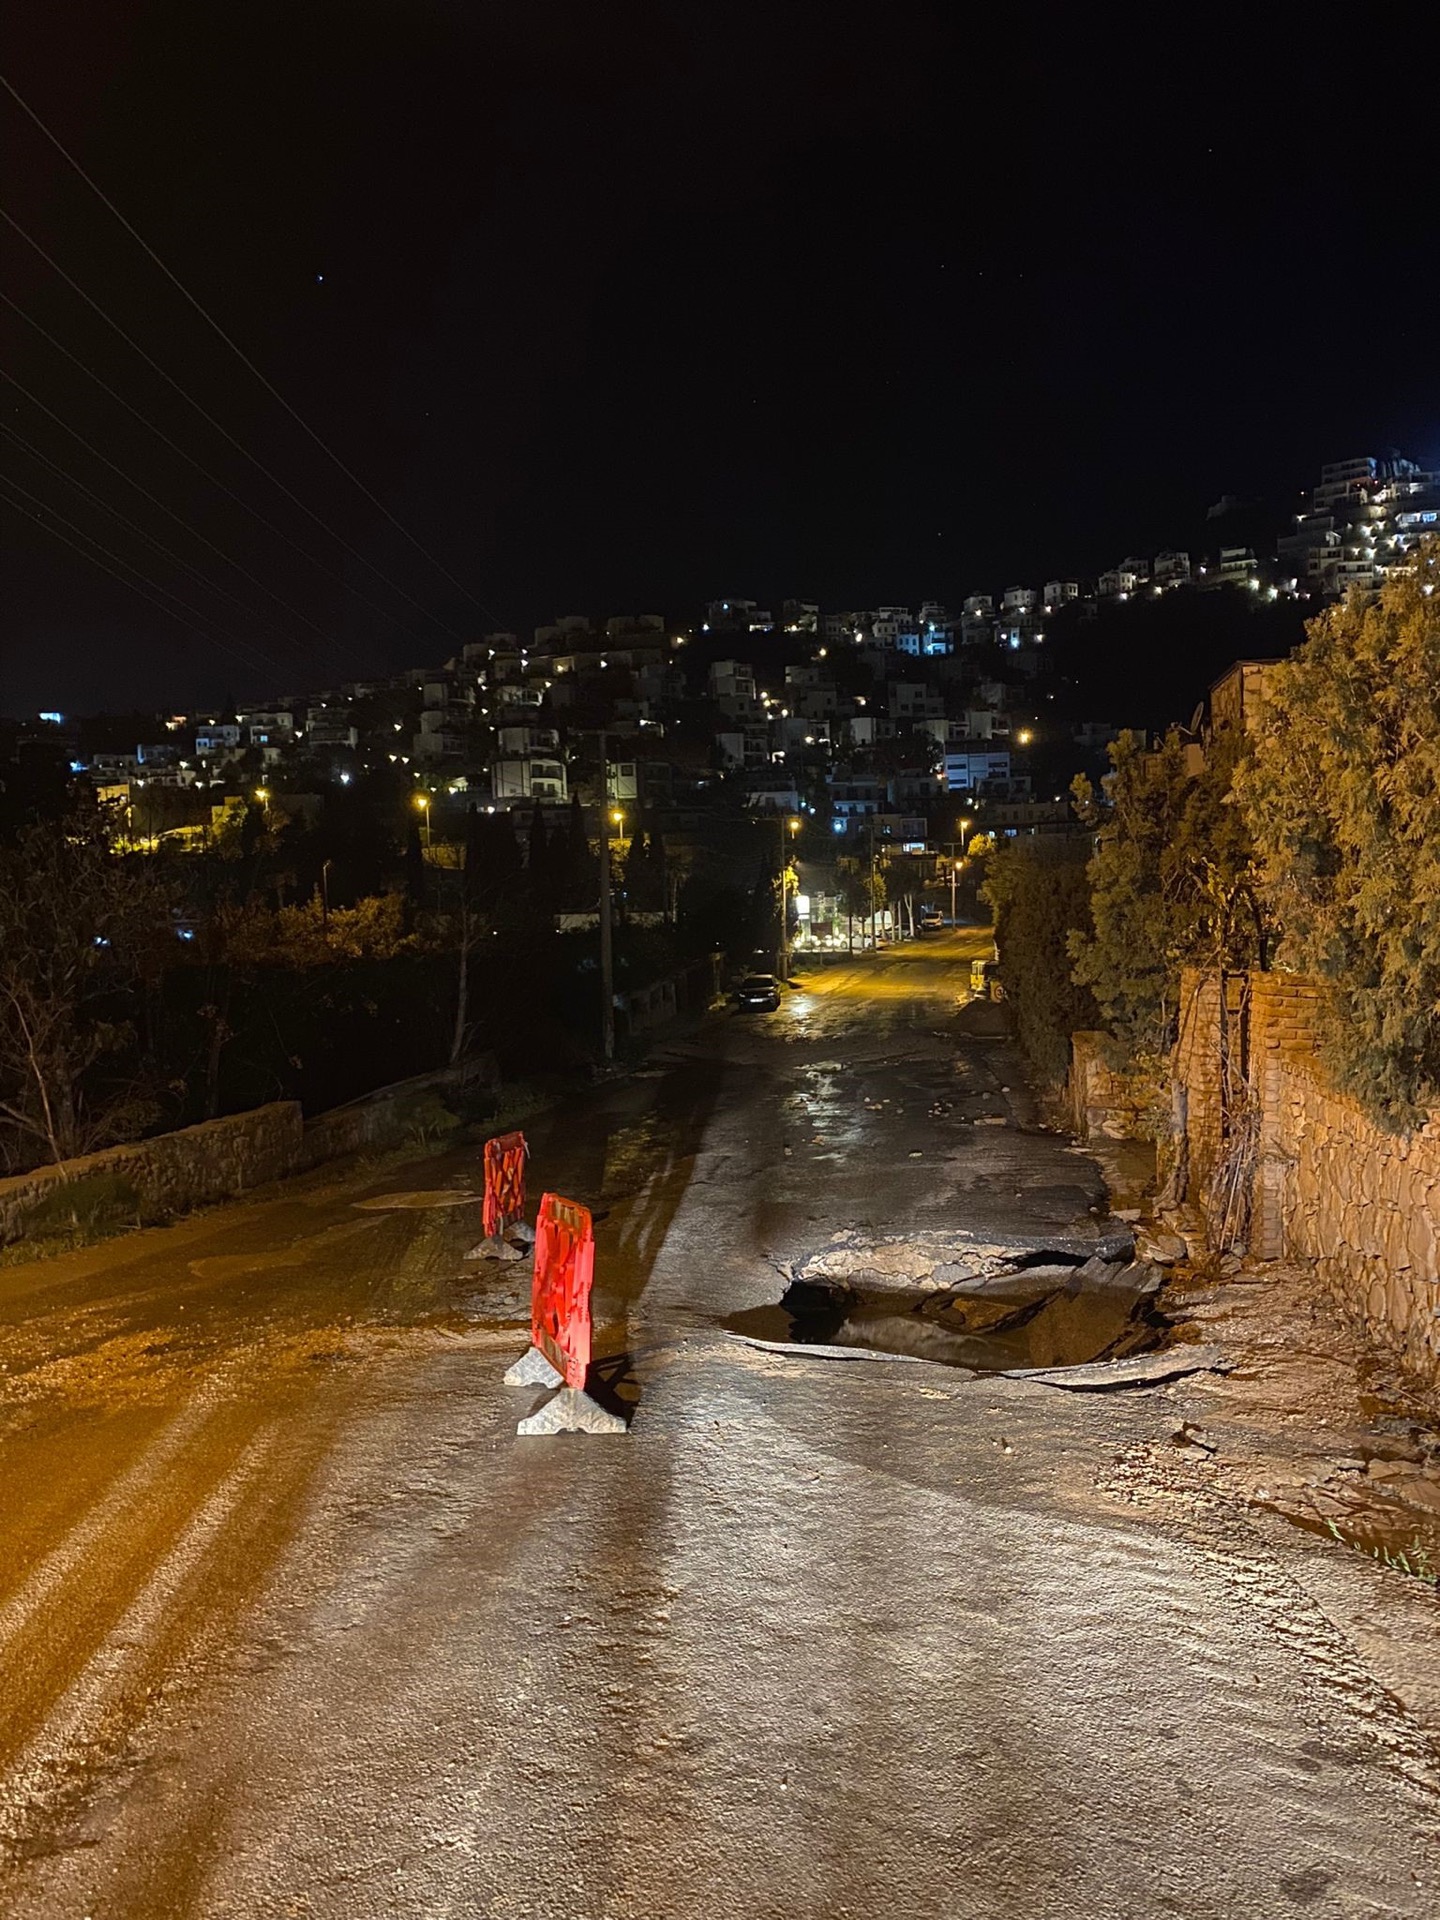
pixel 1024 737
pixel 422 801
pixel 955 868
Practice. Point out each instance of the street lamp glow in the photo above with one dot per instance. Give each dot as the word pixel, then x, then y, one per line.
pixel 422 800
pixel 1024 737
pixel 262 794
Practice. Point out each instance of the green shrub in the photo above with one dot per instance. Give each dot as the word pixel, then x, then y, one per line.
pixel 1040 896
pixel 1171 885
pixel 1342 796
pixel 426 1118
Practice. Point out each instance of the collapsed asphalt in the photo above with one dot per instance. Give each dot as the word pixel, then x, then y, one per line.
pixel 293 1623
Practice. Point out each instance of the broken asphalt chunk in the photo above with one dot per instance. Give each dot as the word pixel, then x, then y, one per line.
pixel 1139 1370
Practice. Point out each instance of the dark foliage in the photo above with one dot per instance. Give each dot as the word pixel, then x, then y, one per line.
pixel 1040 895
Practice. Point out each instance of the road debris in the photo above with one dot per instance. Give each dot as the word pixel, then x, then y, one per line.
pixel 1139 1370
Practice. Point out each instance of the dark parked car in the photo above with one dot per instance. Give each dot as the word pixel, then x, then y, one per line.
pixel 758 993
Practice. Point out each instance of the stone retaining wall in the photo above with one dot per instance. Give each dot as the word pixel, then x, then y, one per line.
pixel 653 1006
pixel 173 1173
pixel 1103 1104
pixel 1364 1206
pixel 388 1116
pixel 1328 1185
pixel 154 1179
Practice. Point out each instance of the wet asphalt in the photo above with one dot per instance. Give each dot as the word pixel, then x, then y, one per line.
pixel 293 1624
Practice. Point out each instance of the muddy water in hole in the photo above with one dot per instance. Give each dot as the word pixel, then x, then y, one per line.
pixel 1013 1322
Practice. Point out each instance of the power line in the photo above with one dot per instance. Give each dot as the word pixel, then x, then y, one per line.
pixel 239 353
pixel 55 533
pixel 347 586
pixel 169 512
pixel 239 648
pixel 224 432
pixel 202 580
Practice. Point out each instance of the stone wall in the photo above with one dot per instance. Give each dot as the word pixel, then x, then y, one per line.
pixel 1326 1184
pixel 390 1115
pixel 1284 1027
pixel 652 1006
pixel 692 990
pixel 154 1179
pixel 1104 1104
pixel 173 1173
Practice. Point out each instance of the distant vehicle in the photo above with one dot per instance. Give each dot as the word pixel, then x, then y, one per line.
pixel 758 993
pixel 928 918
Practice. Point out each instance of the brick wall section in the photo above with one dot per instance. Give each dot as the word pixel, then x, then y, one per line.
pixel 1330 1186
pixel 1196 1072
pixel 1284 1012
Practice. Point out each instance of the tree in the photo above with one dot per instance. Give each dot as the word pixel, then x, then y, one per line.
pixel 644 878
pixel 416 890
pixel 501 866
pixel 1040 895
pixel 1342 797
pixel 303 937
pixel 473 864
pixel 84 935
pixel 254 830
pixel 861 887
pixel 1171 884
pixel 578 871
pixel 538 862
pixel 904 876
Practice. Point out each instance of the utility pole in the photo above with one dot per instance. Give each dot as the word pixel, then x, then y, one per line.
pixel 607 954
pixel 955 868
pixel 874 925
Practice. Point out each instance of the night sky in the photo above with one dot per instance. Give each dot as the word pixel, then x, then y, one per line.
pixel 624 307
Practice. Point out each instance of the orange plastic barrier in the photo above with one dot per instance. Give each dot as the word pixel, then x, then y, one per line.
pixel 560 1297
pixel 504 1200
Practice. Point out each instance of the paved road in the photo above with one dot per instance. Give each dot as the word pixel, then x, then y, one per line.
pixel 293 1625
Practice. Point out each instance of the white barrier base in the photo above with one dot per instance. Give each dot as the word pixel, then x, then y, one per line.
pixel 571 1411
pixel 533 1370
pixel 494 1249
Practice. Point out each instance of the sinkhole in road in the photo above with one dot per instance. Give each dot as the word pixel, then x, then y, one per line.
pixel 1045 1310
